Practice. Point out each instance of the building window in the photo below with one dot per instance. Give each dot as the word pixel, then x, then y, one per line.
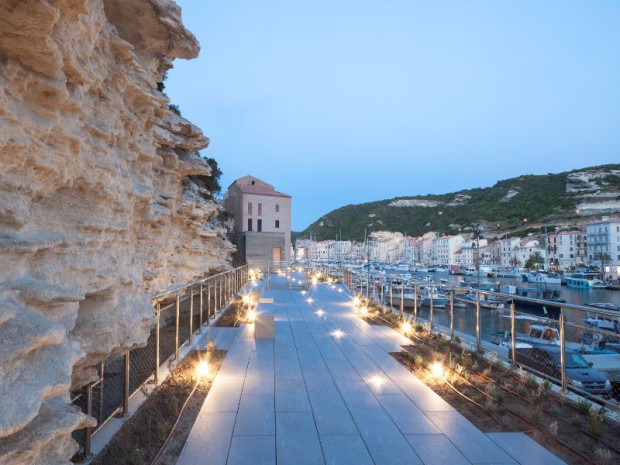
pixel 249 224
pixel 260 209
pixel 277 208
pixel 249 208
pixel 251 183
pixel 277 224
pixel 259 225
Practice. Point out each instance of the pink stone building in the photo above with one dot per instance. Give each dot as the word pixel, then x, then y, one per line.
pixel 262 220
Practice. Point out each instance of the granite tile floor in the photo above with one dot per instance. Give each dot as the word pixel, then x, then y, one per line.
pixel 313 395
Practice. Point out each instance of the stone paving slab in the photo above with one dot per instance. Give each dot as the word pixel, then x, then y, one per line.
pixel 310 397
pixel 345 450
pixel 524 449
pixel 257 450
pixel 297 440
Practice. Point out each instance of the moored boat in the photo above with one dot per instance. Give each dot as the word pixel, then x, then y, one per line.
pixel 584 281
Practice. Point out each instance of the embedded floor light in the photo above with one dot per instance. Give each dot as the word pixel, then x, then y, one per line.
pixel 406 327
pixel 437 369
pixel 246 298
pixel 320 313
pixel 338 333
pixel 251 315
pixel 339 289
pixel 356 301
pixel 202 369
pixel 303 292
pixel 364 311
pixel 309 300
pixel 377 380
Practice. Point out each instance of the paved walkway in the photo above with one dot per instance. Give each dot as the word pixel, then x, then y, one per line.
pixel 311 397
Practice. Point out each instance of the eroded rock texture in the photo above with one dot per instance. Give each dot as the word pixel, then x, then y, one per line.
pixel 97 208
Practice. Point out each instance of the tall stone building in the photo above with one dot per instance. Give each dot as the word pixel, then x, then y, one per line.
pixel 262 220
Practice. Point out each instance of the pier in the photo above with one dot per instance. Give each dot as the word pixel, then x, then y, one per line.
pixel 325 390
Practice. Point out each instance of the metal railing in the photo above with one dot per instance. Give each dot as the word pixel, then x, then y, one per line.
pixel 180 314
pixel 576 347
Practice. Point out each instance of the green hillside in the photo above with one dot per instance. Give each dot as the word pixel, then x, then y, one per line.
pixel 502 208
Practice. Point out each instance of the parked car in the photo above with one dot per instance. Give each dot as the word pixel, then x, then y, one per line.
pixel 579 372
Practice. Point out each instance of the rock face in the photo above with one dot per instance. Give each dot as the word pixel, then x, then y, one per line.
pixel 97 205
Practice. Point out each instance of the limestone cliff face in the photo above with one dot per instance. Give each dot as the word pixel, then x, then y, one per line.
pixel 97 210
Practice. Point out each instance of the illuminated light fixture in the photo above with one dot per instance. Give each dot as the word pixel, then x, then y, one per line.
pixel 338 333
pixel 309 300
pixel 406 327
pixel 251 315
pixel 364 311
pixel 339 290
pixel 246 299
pixel 303 292
pixel 377 380
pixel 437 369
pixel 202 369
pixel 356 301
pixel 315 280
pixel 320 313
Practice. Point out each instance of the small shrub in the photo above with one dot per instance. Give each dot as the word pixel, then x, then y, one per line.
pixel 487 372
pixel 418 361
pixel 530 382
pixel 490 405
pixel 553 428
pixel 521 390
pixel 499 366
pixel 584 406
pixel 603 456
pixel 499 397
pixel 457 340
pixel 577 421
pixel 597 427
pixel 535 415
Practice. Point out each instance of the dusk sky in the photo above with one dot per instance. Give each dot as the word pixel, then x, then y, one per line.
pixel 348 101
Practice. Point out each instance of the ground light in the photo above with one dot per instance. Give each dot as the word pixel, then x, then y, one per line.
pixel 309 300
pixel 246 299
pixel 377 380
pixel 338 333
pixel 320 313
pixel 303 292
pixel 364 311
pixel 437 369
pixel 251 315
pixel 356 301
pixel 406 327
pixel 202 369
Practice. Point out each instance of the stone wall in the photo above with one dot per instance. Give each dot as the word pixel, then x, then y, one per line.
pixel 96 207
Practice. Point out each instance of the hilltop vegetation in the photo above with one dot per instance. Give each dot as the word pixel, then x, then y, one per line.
pixel 508 206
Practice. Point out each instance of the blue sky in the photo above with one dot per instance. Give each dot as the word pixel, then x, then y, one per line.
pixel 347 101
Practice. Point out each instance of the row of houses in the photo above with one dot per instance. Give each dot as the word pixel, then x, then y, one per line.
pixel 562 250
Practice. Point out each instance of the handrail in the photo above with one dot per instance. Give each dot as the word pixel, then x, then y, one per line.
pixel 161 294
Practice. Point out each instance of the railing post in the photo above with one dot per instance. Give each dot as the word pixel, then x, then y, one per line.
pixel 157 316
pixel 209 302
pixel 451 314
pixel 562 352
pixel 432 300
pixel 176 327
pixel 478 320
pixel 268 276
pixel 391 297
pixel 415 301
pixel 382 283
pixel 219 293
pixel 201 307
pixel 191 315
pixel 402 301
pixel 215 307
pixel 513 357
pixel 88 431
pixel 126 385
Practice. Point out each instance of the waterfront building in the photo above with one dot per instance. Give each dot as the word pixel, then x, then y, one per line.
pixel 525 249
pixel 444 248
pixel 387 247
pixel 467 255
pixel 262 220
pixel 566 249
pixel 507 255
pixel 604 237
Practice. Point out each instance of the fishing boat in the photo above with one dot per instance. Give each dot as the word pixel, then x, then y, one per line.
pixel 609 321
pixel 544 298
pixel 540 277
pixel 585 281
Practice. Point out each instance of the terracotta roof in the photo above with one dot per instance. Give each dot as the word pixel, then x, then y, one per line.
pixel 251 185
pixel 261 190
